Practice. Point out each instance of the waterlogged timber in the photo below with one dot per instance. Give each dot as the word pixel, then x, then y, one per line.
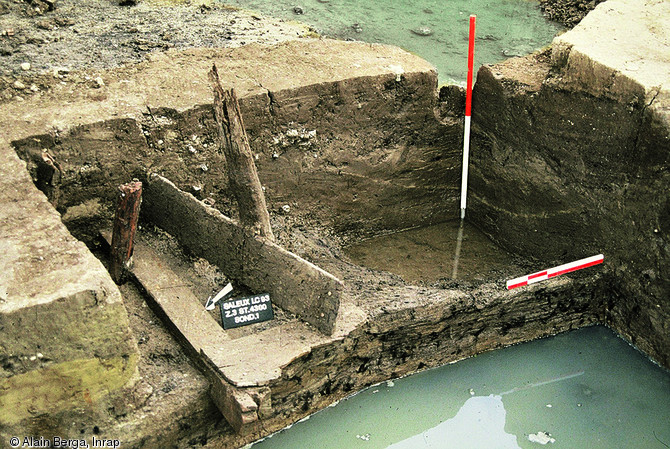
pixel 585 388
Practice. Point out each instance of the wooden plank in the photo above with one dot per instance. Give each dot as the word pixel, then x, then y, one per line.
pixel 295 284
pixel 192 325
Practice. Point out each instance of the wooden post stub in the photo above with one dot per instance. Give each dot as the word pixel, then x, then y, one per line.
pixel 49 174
pixel 242 172
pixel 125 225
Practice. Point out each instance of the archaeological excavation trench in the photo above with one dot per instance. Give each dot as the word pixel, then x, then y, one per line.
pixel 570 157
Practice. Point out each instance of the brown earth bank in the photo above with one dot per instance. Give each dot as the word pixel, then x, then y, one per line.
pixel 582 143
pixel 355 156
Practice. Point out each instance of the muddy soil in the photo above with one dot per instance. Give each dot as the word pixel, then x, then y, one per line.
pixel 46 42
pixel 568 12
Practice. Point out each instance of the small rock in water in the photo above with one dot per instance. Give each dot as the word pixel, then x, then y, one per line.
pixel 512 52
pixel 298 10
pixel 357 28
pixel 365 437
pixel 541 437
pixel 423 31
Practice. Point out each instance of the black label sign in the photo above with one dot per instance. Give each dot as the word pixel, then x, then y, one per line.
pixel 247 310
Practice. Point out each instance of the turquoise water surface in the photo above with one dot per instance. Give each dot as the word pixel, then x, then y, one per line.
pixel 583 389
pixel 504 27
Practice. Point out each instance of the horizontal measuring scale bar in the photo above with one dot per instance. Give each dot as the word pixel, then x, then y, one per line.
pixel 553 272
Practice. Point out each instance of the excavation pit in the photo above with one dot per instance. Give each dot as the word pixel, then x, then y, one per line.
pixel 355 150
pixel 352 157
pixel 247 368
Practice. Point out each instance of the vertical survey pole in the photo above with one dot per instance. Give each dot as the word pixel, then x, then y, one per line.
pixel 468 110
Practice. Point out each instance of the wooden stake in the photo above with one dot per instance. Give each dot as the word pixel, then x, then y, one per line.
pixel 125 224
pixel 241 168
pixel 49 174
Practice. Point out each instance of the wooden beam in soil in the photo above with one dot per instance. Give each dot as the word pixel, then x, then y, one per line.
pixel 241 169
pixel 125 225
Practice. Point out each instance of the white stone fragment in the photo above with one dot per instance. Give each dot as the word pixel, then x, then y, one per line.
pixel 541 438
pixel 398 70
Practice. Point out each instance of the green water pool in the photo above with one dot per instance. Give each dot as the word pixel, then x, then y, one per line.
pixel 582 389
pixel 504 27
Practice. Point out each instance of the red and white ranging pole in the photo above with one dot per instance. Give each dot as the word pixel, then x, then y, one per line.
pixel 468 110
pixel 555 271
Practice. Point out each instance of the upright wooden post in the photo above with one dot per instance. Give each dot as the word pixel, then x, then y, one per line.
pixel 125 224
pixel 241 168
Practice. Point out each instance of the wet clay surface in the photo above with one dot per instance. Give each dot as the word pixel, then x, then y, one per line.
pixel 450 250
